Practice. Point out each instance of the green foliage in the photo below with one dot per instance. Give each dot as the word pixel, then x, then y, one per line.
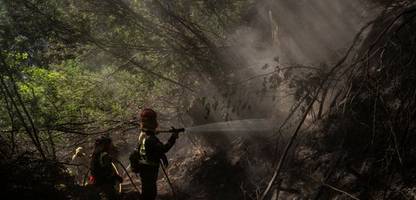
pixel 70 92
pixel 69 97
pixel 86 67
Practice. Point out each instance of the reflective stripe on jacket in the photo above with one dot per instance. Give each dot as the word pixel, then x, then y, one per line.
pixel 151 150
pixel 143 155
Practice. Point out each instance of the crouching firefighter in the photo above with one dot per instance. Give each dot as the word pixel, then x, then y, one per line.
pixel 104 175
pixel 145 160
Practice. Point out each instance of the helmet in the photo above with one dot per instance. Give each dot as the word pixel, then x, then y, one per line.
pixel 148 114
pixel 103 140
pixel 148 119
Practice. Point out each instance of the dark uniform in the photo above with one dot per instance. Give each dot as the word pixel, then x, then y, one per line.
pixel 105 176
pixel 151 151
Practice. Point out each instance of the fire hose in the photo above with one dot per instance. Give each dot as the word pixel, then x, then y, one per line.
pixel 115 169
pixel 132 182
pixel 128 175
pixel 172 130
pixel 168 180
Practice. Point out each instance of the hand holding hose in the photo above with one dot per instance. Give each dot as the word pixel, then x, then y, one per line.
pixel 175 132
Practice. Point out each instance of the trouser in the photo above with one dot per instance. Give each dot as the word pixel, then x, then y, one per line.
pixel 148 175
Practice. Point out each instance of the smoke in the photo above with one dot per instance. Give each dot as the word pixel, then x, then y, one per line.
pixel 282 32
pixel 274 32
pixel 301 32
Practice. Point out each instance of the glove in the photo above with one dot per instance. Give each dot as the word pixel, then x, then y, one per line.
pixel 175 135
pixel 175 132
pixel 91 179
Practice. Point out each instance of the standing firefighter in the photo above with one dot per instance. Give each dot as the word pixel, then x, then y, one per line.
pixel 103 173
pixel 80 160
pixel 146 159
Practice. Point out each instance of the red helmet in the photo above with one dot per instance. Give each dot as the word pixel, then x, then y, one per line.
pixel 148 119
pixel 148 114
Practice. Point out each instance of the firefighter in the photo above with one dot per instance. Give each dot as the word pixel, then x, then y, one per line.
pixel 151 151
pixel 80 159
pixel 103 173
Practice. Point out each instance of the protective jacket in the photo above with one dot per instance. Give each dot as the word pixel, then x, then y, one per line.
pixel 102 169
pixel 151 150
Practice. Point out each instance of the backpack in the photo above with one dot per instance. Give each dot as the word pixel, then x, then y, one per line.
pixel 135 161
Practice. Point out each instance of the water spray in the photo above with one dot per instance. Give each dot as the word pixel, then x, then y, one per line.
pixel 234 126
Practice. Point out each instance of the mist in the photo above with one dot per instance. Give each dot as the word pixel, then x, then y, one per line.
pixel 279 99
pixel 280 34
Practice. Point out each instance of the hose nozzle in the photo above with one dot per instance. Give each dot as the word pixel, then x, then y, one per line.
pixel 172 130
pixel 176 130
